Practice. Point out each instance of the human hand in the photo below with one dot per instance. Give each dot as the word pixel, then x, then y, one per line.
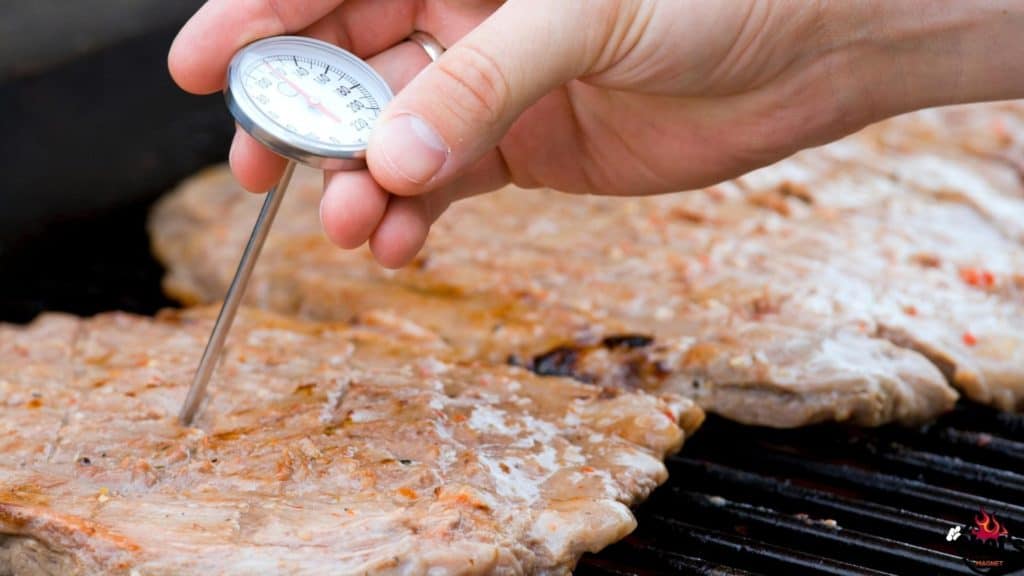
pixel 605 96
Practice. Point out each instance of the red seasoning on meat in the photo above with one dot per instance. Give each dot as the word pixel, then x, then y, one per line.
pixel 977 277
pixel 840 238
pixel 323 449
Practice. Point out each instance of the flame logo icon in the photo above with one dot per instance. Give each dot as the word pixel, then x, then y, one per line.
pixel 988 547
pixel 988 527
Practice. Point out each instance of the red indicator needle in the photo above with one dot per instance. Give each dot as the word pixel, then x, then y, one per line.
pixel 309 99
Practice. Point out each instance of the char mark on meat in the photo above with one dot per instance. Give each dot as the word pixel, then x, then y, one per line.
pixel 627 341
pixel 560 361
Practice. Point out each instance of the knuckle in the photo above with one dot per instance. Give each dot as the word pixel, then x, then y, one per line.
pixel 477 87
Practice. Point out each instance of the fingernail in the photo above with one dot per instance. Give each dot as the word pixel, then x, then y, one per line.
pixel 412 148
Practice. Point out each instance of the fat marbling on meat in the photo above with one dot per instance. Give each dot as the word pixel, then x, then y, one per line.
pixel 861 281
pixel 322 449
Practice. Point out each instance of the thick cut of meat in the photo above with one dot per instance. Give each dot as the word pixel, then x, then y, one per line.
pixel 849 282
pixel 323 449
pixel 549 291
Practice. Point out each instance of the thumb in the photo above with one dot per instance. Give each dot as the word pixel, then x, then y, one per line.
pixel 460 106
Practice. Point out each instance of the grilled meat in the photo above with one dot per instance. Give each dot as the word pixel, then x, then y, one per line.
pixel 850 282
pixel 322 449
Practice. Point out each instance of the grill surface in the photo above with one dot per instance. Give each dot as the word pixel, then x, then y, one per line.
pixel 828 499
pixel 740 500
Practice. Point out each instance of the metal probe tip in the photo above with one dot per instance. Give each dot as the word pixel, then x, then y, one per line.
pixel 197 391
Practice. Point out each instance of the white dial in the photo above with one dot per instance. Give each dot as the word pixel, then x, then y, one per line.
pixel 306 99
pixel 307 96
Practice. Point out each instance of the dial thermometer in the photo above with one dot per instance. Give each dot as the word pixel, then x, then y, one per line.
pixel 310 102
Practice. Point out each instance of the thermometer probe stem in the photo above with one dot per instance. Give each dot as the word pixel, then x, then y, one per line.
pixel 214 347
pixel 294 128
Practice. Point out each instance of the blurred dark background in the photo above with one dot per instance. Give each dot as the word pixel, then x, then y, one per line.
pixel 93 131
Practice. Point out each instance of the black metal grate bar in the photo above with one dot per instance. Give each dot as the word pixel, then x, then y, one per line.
pixel 742 551
pixel 973 446
pixel 766 490
pixel 642 557
pixel 938 468
pixel 983 418
pixel 825 537
pixel 889 488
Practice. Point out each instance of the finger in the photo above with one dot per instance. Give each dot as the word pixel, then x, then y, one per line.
pixel 460 106
pixel 255 167
pixel 486 175
pixel 366 27
pixel 353 203
pixel 403 229
pixel 405 224
pixel 199 56
pixel 400 64
pixel 352 206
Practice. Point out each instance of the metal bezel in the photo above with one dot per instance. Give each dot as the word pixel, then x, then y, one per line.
pixel 276 137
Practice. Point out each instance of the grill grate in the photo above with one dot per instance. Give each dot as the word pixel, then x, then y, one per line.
pixel 739 500
pixel 827 499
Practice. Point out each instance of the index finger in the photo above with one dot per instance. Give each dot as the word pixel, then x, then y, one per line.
pixel 200 54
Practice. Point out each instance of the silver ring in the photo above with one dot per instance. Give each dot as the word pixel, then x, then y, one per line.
pixel 429 44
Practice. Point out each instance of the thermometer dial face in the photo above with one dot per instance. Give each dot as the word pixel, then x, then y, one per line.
pixel 305 99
